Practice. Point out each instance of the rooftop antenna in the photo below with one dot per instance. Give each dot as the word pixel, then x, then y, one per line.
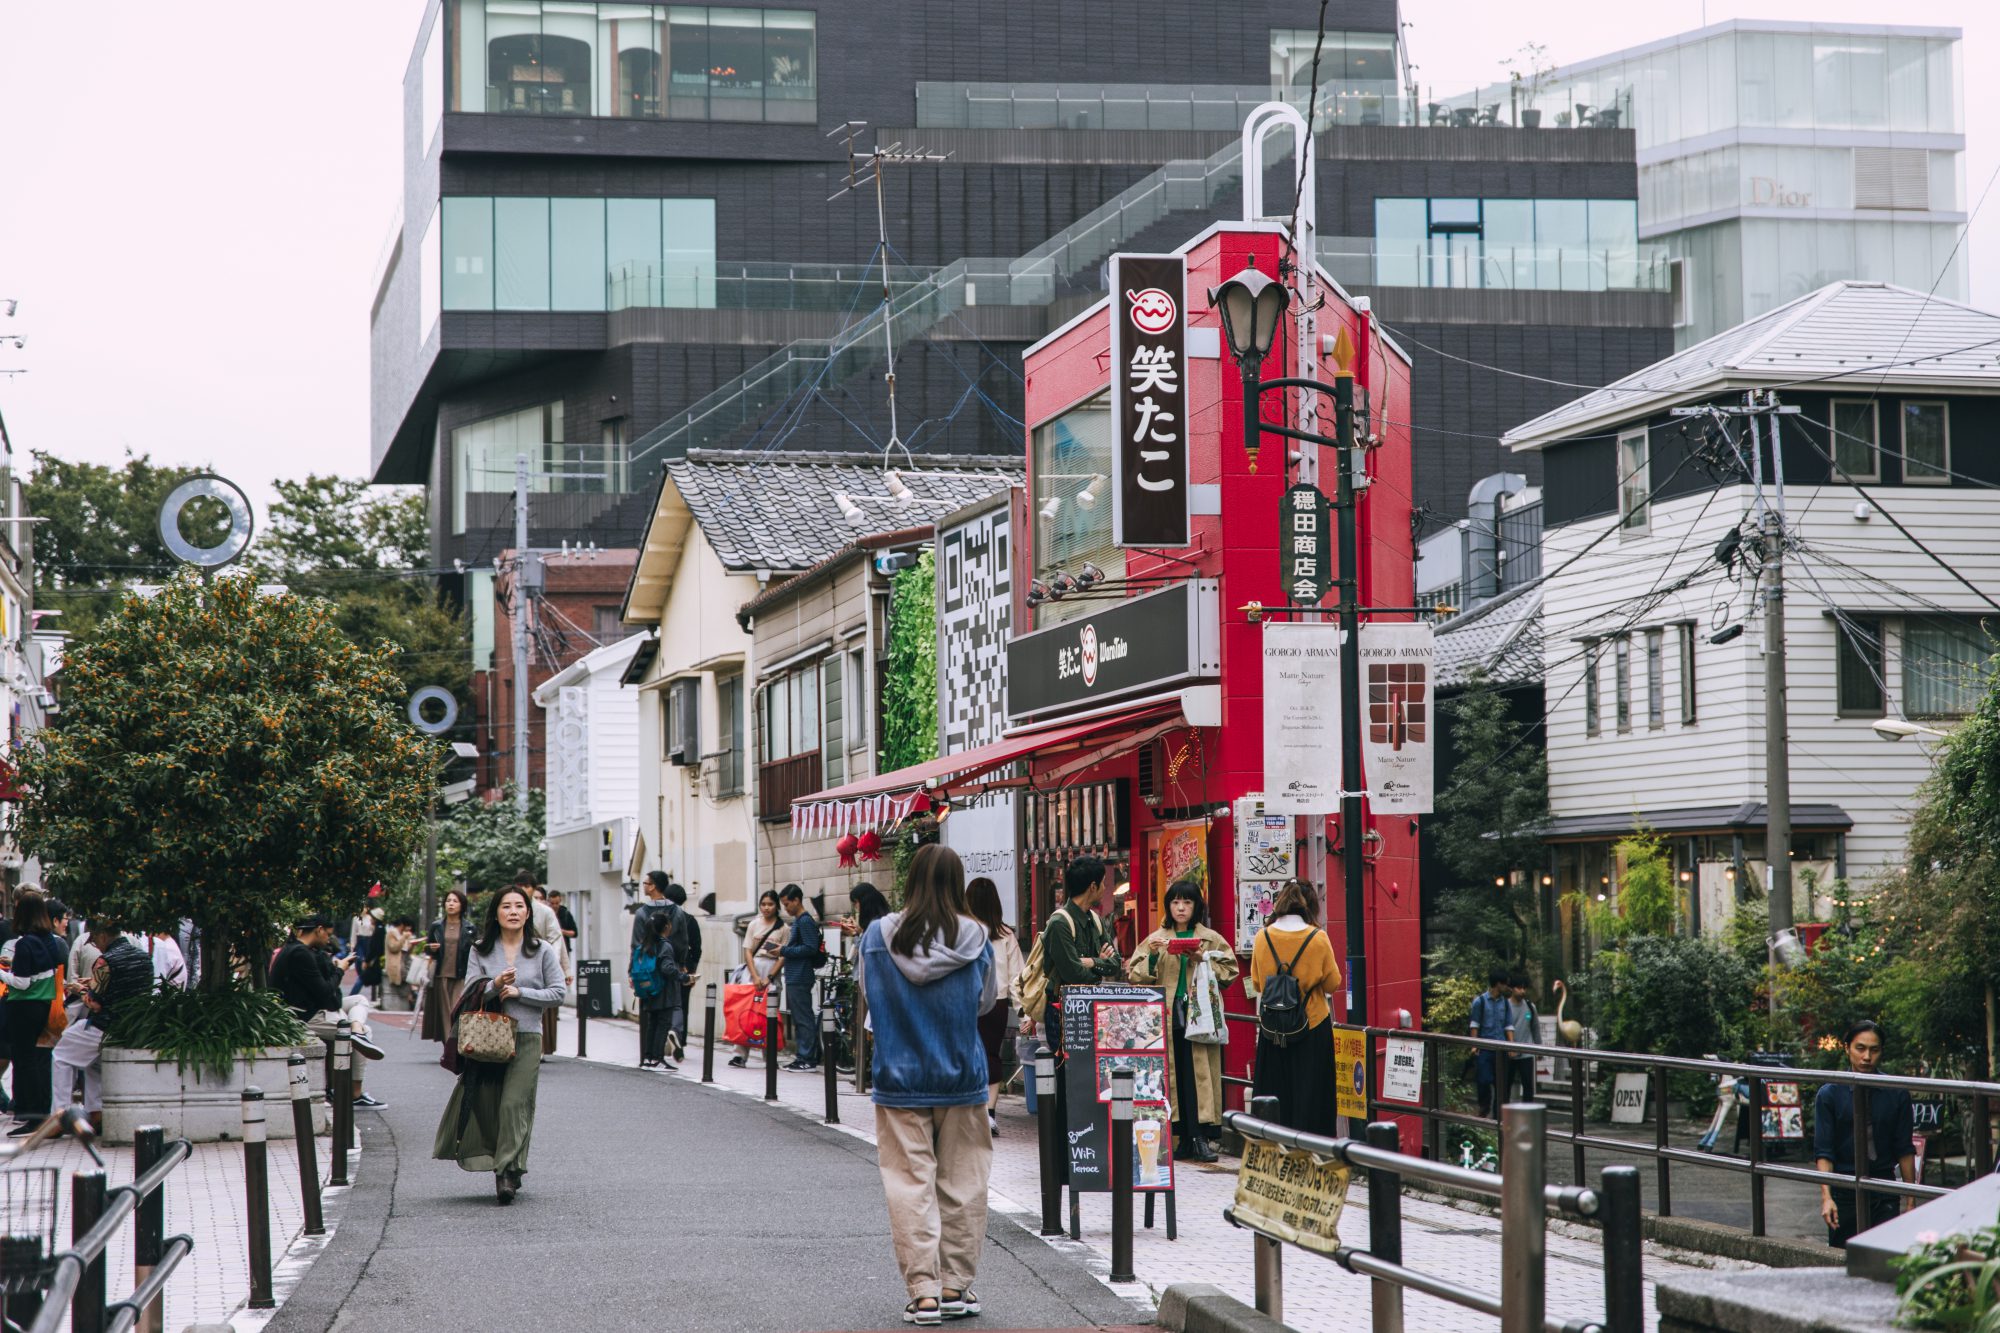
pixel 864 169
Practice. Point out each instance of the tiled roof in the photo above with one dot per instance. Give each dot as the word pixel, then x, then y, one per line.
pixel 1503 635
pixel 1847 334
pixel 777 511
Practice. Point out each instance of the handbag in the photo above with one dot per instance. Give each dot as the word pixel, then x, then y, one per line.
pixel 743 1010
pixel 1205 1022
pixel 486 1037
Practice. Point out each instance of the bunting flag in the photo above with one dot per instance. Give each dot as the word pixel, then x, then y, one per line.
pixel 836 819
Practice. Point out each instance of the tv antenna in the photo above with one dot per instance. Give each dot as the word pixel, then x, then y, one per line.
pixel 862 170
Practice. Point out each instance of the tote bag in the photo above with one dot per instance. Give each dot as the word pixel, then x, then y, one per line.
pixel 1205 1023
pixel 744 1017
pixel 486 1037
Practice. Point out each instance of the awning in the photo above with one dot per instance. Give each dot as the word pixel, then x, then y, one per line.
pixel 888 798
pixel 1684 820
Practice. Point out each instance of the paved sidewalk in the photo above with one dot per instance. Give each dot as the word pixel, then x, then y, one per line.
pixel 1320 1297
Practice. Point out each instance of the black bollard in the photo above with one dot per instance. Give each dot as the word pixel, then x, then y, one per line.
pixel 829 1032
pixel 1049 1131
pixel 257 1197
pixel 341 1093
pixel 302 1138
pixel 149 1221
pixel 1385 1228
pixel 1122 1169
pixel 86 1206
pixel 708 1040
pixel 582 1019
pixel 771 1042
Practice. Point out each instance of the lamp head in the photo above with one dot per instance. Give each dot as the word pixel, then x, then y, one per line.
pixel 1250 304
pixel 1895 729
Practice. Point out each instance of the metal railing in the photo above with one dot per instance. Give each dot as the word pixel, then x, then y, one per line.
pixel 1486 265
pixel 1149 106
pixel 77 1289
pixel 1526 1198
pixel 1756 1078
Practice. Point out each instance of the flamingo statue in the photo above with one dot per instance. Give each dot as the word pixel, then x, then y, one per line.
pixel 1572 1031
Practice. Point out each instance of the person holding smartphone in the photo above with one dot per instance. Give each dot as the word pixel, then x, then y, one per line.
pixel 1169 958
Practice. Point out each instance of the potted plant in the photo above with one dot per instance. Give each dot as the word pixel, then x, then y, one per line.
pixel 230 759
pixel 1533 56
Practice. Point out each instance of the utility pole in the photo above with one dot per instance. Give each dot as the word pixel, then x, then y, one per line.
pixel 518 618
pixel 1777 730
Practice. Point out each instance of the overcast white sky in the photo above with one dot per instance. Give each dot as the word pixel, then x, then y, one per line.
pixel 194 203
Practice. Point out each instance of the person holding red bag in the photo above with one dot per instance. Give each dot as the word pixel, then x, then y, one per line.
pixel 763 946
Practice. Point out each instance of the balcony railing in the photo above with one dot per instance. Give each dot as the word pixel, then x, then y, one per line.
pixel 1146 106
pixel 783 781
pixel 1366 261
pixel 731 285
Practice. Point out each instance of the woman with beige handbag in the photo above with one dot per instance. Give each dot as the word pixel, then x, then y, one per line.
pixel 490 1118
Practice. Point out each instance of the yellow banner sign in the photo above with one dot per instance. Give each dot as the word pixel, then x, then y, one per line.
pixel 1292 1195
pixel 1350 1073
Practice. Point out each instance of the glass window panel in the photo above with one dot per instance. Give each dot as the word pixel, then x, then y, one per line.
pixel 1072 456
pixel 1858 670
pixel 468 254
pixel 1756 79
pixel 1454 214
pixel 468 56
pixel 735 64
pixel 521 242
pixel 1401 228
pixel 1510 242
pixel 1687 682
pixel 628 43
pixel 1926 442
pixel 514 57
pixel 1635 482
pixel 1792 96
pixel 1656 678
pixel 632 252
pixel 1592 705
pixel 1562 233
pixel 577 254
pixel 483 454
pixel 1909 102
pixel 687 62
pixel 1371 56
pixel 688 244
pixel 1946 660
pixel 569 57
pixel 1854 439
pixel 1621 680
pixel 791 68
pixel 430 276
pixel 1941 87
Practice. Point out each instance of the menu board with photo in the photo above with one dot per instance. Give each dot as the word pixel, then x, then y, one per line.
pixel 1105 1029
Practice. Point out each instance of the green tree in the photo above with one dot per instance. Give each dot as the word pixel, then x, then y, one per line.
pixel 224 756
pixel 909 675
pixel 487 843
pixel 1649 901
pixel 1488 835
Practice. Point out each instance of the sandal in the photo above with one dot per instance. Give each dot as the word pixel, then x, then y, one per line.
pixel 961 1306
pixel 923 1310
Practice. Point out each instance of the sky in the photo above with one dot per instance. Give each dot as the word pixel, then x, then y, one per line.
pixel 193 214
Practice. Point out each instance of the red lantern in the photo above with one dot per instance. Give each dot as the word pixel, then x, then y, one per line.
pixel 920 803
pixel 871 846
pixel 846 847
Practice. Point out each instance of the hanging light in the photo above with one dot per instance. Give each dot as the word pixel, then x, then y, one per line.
pixel 1050 509
pixel 849 510
pixel 897 489
pixel 1250 305
pixel 1087 497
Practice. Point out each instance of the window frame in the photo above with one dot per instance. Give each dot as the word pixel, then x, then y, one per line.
pixel 1656 679
pixel 1903 440
pixel 1689 682
pixel 730 767
pixel 1972 622
pixel 1634 518
pixel 1842 473
pixel 1593 689
pixel 1845 650
pixel 1621 683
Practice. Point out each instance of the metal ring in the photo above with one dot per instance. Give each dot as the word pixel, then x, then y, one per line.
pixel 242 521
pixel 426 695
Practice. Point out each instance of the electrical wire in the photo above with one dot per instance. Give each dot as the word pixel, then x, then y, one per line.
pixel 1305 151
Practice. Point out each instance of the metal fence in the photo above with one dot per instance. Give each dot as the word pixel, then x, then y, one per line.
pixel 1525 1196
pixel 77 1290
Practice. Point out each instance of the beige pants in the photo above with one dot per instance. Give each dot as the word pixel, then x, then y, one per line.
pixel 935 1165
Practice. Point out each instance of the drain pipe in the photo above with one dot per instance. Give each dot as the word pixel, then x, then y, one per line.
pixel 1479 535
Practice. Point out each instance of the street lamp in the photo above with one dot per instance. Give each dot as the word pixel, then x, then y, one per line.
pixel 1896 729
pixel 1250 304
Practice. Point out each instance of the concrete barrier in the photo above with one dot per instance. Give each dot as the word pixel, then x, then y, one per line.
pixel 1197 1307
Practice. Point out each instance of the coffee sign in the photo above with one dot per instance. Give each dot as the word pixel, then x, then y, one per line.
pixel 1149 451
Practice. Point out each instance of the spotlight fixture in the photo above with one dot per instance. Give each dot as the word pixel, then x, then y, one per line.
pixel 1090 574
pixel 1038 592
pixel 897 490
pixel 1063 584
pixel 1087 497
pixel 849 510
pixel 1726 633
pixel 1052 507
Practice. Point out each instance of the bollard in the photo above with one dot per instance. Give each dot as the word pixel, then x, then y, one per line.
pixel 86 1206
pixel 1385 1228
pixel 1755 1111
pixel 771 1042
pixel 829 1032
pixel 341 1092
pixel 1523 1221
pixel 1576 1126
pixel 257 1197
pixel 149 1221
pixel 302 1136
pixel 708 1040
pixel 1661 1165
pixel 1268 1255
pixel 1122 1169
pixel 1624 1276
pixel 1050 1132
pixel 582 1022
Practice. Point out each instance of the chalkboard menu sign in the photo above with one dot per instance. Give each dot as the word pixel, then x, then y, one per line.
pixel 1106 1028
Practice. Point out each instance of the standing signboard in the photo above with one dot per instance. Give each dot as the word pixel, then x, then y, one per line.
pixel 1107 1028
pixel 593 977
pixel 1301 719
pixel 1149 450
pixel 1396 741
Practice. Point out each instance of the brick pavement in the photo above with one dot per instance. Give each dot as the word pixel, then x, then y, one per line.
pixel 1460 1244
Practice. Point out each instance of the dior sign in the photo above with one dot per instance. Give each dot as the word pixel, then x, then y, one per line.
pixel 1130 647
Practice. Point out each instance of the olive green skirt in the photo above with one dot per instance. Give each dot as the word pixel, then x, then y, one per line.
pixel 491 1115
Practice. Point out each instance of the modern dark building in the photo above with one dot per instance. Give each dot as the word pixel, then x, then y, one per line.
pixel 618 238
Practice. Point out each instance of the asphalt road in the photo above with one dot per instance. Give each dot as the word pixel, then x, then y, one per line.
pixel 650 1204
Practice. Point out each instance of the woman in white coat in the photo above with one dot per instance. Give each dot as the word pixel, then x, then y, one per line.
pixel 983 897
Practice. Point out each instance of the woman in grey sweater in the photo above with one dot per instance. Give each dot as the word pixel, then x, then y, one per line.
pixel 491 1115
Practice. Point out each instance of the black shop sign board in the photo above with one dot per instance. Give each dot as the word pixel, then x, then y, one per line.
pixel 1136 645
pixel 1107 1028
pixel 1149 426
pixel 593 981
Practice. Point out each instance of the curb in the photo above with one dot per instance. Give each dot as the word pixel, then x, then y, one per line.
pixel 1197 1307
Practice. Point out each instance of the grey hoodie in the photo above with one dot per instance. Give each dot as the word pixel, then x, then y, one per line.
pixel 941 960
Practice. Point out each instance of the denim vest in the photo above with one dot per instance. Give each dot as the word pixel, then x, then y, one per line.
pixel 927 1047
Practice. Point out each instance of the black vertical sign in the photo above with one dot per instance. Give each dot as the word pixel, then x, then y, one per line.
pixel 1149 451
pixel 1304 545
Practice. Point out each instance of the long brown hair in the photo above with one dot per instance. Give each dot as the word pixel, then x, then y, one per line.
pixel 489 934
pixel 933 900
pixel 982 898
pixel 1297 898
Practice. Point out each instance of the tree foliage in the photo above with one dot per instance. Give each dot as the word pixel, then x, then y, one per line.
pixel 487 843
pixel 224 756
pixel 909 685
pixel 1649 902
pixel 1488 828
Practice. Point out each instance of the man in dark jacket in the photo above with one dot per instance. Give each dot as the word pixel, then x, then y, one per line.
pixel 802 959
pixel 1076 951
pixel 687 948
pixel 1892 1150
pixel 119 973
pixel 310 985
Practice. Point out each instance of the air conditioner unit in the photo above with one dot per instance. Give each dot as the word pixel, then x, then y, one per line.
pixel 684 722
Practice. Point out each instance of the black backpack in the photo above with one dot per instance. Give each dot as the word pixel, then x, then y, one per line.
pixel 1281 1012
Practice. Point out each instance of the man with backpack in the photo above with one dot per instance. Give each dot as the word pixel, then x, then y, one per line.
pixel 1491 1018
pixel 804 954
pixel 687 948
pixel 656 981
pixel 1074 950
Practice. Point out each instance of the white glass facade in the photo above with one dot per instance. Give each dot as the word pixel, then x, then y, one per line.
pixel 1777 157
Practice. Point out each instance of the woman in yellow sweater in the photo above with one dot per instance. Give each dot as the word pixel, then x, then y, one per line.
pixel 1167 958
pixel 1298 1071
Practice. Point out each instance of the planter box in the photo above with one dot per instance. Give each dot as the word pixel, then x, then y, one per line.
pixel 197 1106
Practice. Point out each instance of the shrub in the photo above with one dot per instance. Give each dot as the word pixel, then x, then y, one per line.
pixel 207 1030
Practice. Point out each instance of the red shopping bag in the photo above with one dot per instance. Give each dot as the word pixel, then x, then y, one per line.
pixel 743 1016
